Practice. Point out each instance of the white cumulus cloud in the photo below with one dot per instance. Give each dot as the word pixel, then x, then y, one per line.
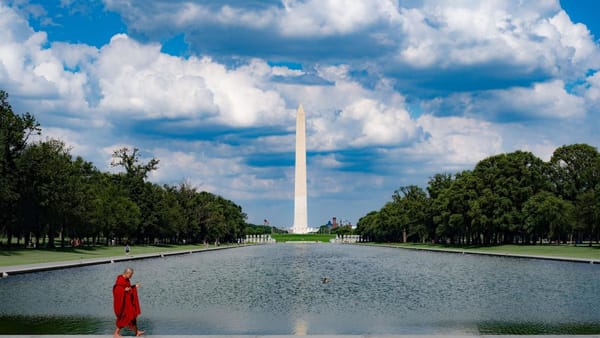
pixel 456 142
pixel 151 84
pixel 393 91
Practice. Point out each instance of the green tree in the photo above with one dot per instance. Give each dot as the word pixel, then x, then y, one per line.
pixel 575 170
pixel 190 228
pixel 45 170
pixel 117 216
pixel 143 194
pixel 548 216
pixel 576 177
pixel 77 206
pixel 324 229
pixel 414 208
pixel 511 179
pixel 451 209
pixel 130 161
pixel 343 230
pixel 438 183
pixel 123 217
pixel 587 214
pixel 393 222
pixel 368 226
pixel 15 131
pixel 505 199
pixel 171 215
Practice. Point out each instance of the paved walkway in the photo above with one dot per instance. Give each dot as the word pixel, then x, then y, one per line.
pixel 27 268
pixel 500 254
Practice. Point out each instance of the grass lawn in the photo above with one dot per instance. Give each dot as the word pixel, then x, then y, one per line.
pixel 580 251
pixel 303 238
pixel 19 256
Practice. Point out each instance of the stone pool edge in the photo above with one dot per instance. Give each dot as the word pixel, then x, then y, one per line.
pixel 9 270
pixel 484 253
pixel 319 336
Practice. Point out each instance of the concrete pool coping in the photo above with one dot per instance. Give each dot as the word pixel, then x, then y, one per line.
pixel 9 270
pixel 317 336
pixel 485 253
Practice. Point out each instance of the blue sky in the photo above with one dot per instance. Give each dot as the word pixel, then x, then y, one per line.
pixel 395 91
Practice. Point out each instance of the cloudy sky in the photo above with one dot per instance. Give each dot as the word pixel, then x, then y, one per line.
pixel 394 90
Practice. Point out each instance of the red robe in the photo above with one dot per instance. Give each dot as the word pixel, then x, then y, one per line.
pixel 126 303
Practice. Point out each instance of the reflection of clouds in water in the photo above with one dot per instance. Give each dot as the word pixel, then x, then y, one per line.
pixel 300 327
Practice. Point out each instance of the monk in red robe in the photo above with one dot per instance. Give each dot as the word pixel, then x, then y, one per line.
pixel 126 303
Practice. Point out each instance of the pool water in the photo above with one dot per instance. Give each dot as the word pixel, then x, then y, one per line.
pixel 278 289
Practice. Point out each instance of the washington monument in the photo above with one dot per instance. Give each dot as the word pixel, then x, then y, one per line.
pixel 300 194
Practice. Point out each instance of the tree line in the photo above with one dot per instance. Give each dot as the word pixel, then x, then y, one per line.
pixel 507 198
pixel 46 193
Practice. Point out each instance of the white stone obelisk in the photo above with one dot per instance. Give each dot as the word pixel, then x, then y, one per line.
pixel 300 192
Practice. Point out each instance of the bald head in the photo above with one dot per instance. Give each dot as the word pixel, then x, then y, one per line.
pixel 128 272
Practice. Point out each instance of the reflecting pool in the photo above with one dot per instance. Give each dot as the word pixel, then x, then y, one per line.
pixel 278 289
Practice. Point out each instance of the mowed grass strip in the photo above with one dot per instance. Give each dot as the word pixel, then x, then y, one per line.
pixel 302 238
pixel 570 251
pixel 21 256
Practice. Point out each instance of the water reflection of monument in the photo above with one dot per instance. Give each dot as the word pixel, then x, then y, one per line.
pixel 300 225
pixel 300 327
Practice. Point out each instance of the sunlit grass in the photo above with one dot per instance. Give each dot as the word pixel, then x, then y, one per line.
pixel 571 251
pixel 20 256
pixel 302 238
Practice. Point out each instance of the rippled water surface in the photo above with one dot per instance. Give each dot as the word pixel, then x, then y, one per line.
pixel 277 289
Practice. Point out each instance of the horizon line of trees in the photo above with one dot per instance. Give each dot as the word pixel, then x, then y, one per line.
pixel 45 194
pixel 509 198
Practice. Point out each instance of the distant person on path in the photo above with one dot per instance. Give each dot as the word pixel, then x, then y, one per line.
pixel 126 303
pixel 127 249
